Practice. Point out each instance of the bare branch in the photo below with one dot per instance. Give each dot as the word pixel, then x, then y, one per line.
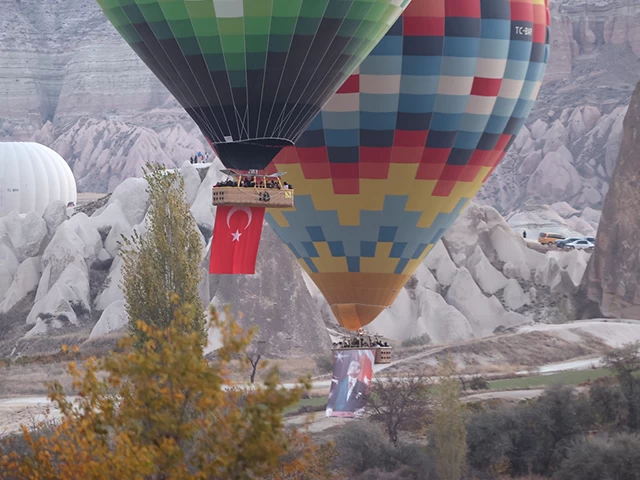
pixel 400 402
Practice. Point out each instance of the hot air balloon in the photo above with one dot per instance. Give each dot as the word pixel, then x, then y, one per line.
pixel 406 143
pixel 252 73
pixel 31 177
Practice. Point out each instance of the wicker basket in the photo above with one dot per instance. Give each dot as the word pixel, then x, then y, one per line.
pixel 383 354
pixel 253 197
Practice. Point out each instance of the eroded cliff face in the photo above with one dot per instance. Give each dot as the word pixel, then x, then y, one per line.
pixel 568 150
pixel 612 278
pixel 581 27
pixel 60 60
pixel 69 81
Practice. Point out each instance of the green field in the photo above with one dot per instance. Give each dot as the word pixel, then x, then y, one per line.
pixel 521 383
pixel 563 378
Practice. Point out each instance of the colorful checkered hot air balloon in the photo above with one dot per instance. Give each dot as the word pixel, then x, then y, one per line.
pixel 252 73
pixel 406 143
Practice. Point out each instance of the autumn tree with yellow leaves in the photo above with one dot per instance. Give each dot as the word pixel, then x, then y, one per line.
pixel 156 409
pixel 163 412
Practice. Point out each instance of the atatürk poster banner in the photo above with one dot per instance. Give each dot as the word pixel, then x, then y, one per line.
pixel 350 383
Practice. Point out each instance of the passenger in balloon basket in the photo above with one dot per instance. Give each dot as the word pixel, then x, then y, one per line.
pixel 247 182
pixel 352 373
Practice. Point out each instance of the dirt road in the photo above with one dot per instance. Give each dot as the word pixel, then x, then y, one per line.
pixel 28 411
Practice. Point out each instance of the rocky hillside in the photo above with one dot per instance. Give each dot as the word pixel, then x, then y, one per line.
pixel 70 82
pixel 60 279
pixel 569 148
pixel 483 278
pixel 613 275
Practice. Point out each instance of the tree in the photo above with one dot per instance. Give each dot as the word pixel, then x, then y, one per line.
pixel 253 354
pixel 449 429
pixel 363 450
pixel 478 383
pixel 530 437
pixel 625 362
pixel 162 412
pixel 165 260
pixel 608 404
pixel 594 459
pixel 398 402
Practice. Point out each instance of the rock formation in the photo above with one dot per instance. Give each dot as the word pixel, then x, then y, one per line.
pixel 70 82
pixel 568 150
pixel 62 276
pixel 481 279
pixel 613 275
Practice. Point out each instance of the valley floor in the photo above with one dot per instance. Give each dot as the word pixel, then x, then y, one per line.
pixel 574 348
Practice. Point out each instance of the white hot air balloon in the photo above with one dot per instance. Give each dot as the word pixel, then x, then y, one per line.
pixel 31 177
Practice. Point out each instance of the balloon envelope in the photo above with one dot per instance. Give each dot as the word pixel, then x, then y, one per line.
pixel 31 177
pixel 405 144
pixel 252 73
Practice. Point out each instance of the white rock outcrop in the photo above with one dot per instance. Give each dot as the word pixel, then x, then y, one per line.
pixel 489 279
pixel 484 314
pixel 115 237
pixel 201 209
pixel 25 281
pixel 192 181
pixel 439 261
pixel 55 307
pixel 555 178
pixel 8 259
pixel 420 312
pixel 514 296
pixel 133 199
pixel 44 327
pixel 497 282
pixel 64 297
pixel 5 280
pixel 113 291
pixel 54 215
pixel 26 233
pixel 475 282
pixel 113 319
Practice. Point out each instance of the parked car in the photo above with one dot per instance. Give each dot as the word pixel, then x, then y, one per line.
pixel 581 244
pixel 549 238
pixel 562 243
pixel 590 239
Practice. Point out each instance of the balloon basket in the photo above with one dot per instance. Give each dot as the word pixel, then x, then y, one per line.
pixel 364 341
pixel 253 197
pixel 382 354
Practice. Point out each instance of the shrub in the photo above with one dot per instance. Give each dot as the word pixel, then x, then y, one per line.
pixel 597 459
pixel 478 383
pixel 608 404
pixel 324 363
pixel 417 341
pixel 363 449
pixel 363 445
pixel 531 437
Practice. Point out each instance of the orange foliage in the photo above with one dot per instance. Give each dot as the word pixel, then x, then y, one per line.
pixel 163 412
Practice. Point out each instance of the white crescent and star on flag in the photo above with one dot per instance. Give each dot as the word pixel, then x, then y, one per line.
pixel 236 235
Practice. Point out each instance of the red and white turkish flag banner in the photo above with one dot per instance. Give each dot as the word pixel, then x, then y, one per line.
pixel 236 237
pixel 367 359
